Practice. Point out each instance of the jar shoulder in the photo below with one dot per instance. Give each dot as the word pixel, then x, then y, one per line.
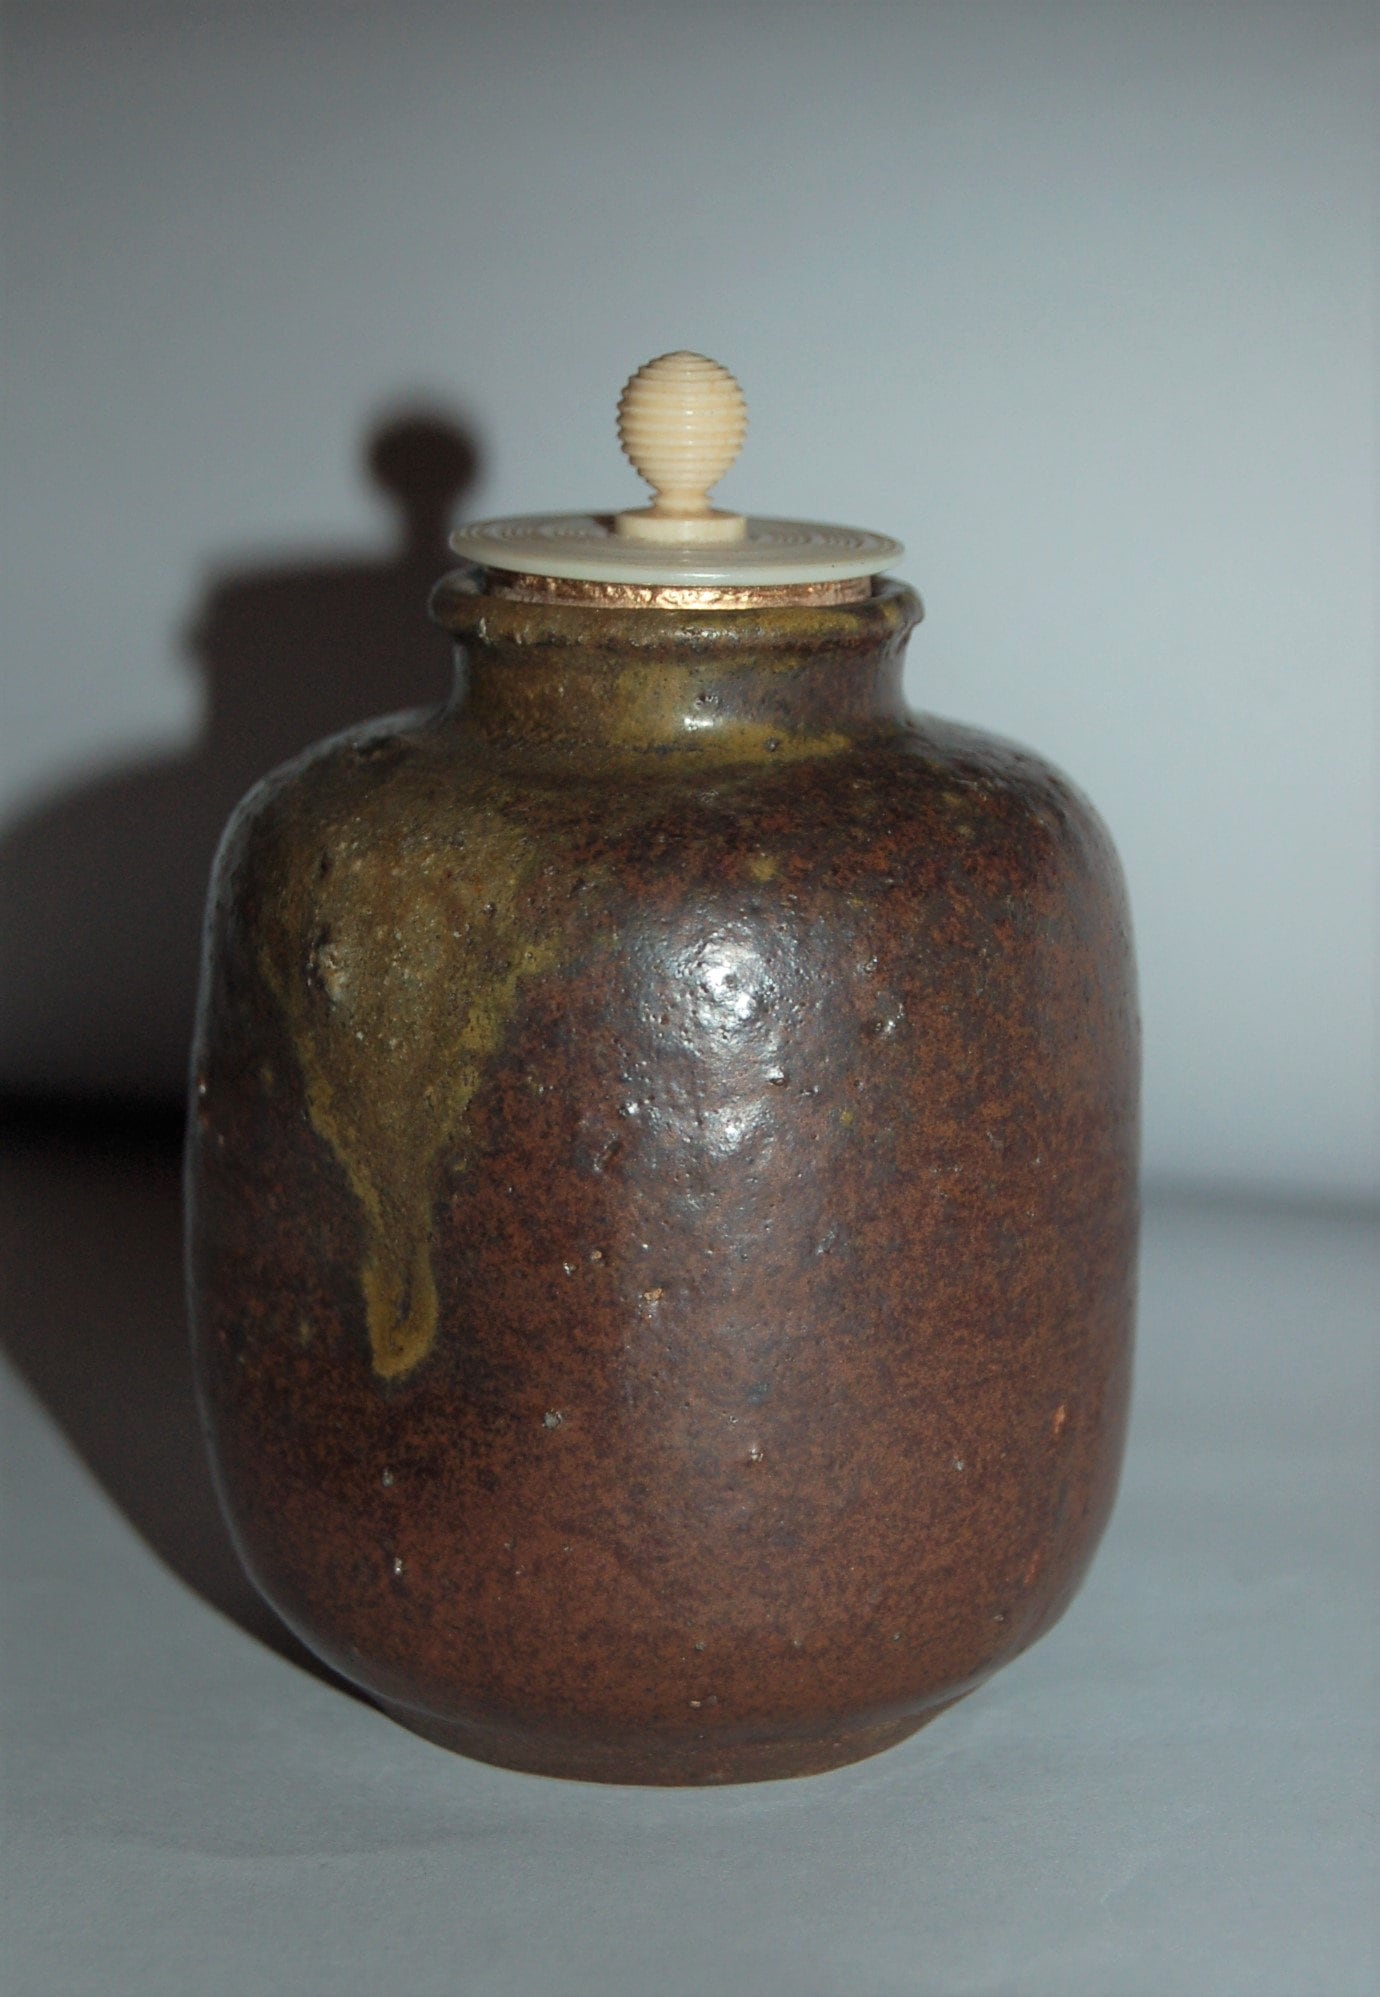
pixel 382 769
pixel 330 781
pixel 411 786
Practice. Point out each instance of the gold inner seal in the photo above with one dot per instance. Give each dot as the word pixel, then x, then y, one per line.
pixel 673 596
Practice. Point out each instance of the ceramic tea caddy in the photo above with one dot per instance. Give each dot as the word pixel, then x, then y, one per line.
pixel 662 1165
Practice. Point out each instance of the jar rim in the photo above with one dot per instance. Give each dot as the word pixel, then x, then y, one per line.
pixel 466 603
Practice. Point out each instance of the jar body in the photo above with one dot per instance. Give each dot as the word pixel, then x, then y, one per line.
pixel 662 1200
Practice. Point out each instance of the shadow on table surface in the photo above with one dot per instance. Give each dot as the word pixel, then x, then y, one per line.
pixel 95 1321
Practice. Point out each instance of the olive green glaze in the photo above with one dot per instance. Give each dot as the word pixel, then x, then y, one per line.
pixel 414 947
pixel 662 1193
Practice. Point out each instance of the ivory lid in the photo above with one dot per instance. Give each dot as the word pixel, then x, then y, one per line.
pixel 681 422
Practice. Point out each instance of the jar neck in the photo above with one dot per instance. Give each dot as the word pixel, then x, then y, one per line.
pixel 725 683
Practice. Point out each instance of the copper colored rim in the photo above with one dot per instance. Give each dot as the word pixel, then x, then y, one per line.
pixel 672 596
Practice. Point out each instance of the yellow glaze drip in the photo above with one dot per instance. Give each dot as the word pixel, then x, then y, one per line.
pixel 398 972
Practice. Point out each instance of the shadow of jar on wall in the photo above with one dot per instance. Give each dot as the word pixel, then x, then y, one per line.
pixel 101 895
pixel 102 885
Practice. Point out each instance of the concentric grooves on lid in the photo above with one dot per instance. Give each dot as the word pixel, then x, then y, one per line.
pixel 681 422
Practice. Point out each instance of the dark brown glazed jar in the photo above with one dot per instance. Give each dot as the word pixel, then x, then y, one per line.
pixel 662 1192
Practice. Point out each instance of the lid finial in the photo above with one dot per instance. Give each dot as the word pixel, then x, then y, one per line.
pixel 681 422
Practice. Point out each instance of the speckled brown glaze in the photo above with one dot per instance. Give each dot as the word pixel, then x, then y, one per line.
pixel 662 1193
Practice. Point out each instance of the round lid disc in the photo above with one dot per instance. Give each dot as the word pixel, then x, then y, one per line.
pixel 588 548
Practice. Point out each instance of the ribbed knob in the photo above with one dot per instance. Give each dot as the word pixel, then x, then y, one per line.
pixel 681 421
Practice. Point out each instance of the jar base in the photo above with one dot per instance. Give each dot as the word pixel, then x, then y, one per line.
pixel 697 1762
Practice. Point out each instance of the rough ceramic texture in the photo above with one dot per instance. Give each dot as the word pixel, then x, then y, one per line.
pixel 662 1194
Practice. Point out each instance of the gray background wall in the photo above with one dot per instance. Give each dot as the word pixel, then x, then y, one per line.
pixel 1078 300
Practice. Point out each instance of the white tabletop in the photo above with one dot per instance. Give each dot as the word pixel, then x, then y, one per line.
pixel 1173 1792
